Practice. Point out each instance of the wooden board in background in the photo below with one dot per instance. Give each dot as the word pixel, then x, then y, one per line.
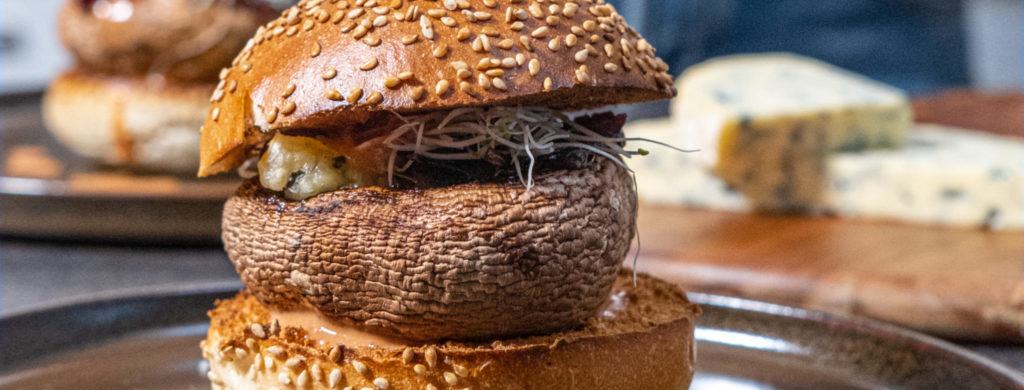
pixel 958 283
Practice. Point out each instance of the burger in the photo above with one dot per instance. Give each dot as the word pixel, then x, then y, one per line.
pixel 424 210
pixel 144 71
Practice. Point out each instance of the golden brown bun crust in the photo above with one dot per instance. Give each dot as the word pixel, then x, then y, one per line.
pixel 183 40
pixel 127 121
pixel 454 262
pixel 649 345
pixel 325 63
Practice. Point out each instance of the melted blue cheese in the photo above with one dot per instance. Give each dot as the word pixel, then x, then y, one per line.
pixel 302 167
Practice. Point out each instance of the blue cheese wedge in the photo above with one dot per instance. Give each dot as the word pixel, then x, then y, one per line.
pixel 766 123
pixel 942 177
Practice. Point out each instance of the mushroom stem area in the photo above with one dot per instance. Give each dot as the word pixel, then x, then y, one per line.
pixel 469 144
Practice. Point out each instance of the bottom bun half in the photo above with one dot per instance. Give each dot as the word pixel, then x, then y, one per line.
pixel 127 121
pixel 644 339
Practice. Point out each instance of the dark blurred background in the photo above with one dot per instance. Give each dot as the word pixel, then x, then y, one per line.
pixel 922 46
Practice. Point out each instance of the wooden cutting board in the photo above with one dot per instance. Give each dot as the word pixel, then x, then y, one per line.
pixel 956 283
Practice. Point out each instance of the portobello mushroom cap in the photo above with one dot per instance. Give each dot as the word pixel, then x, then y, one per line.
pixel 471 261
pixel 328 66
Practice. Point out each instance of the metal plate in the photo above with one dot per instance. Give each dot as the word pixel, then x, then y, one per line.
pixel 46 191
pixel 150 341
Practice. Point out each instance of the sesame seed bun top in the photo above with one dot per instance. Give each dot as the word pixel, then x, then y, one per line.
pixel 332 64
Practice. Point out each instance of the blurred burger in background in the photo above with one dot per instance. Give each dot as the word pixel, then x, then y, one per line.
pixel 143 72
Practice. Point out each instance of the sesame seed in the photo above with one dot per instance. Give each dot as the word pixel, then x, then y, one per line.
pixel 215 114
pixel 372 40
pixel 241 352
pixel 246 68
pixel 224 72
pixel 380 21
pixel 576 30
pixel 420 369
pixel 257 329
pixel 594 38
pixel 338 16
pixel 268 362
pixel 482 16
pixel 409 39
pixel 525 42
pixel 360 367
pixel 508 63
pixel 609 49
pixel 335 353
pixel 477 46
pixel 381 383
pixel 448 21
pixel 308 25
pixel 347 26
pixel 359 32
pixel 534 67
pixel 490 3
pixel 396 4
pixel 435 13
pixel 451 378
pixel 355 13
pixel 381 10
pixel 552 20
pixel 555 43
pixel 460 370
pixel 485 63
pixel 288 108
pixel 469 16
pixel 316 372
pixel 291 31
pixel 275 350
pixel 489 31
pixel 540 32
pixel 405 76
pixel 590 50
pixel 520 59
pixel 369 64
pixel 464 74
pixel 463 4
pixel 334 378
pixel 316 49
pixel 450 5
pixel 329 74
pixel 581 56
pixel 441 50
pixel 294 362
pixel 547 83
pixel 582 75
pixel 431 356
pixel 570 9
pixel 284 379
pixel 462 34
pixel 458 65
pixel 642 45
pixel 442 87
pixel 536 11
pixel 495 72
pixel 427 26
pixel 483 81
pixel 570 40
pixel 391 82
pixel 517 26
pixel 417 93
pixel 303 379
pixel 499 84
pixel 506 44
pixel 271 117
pixel 374 98
pixel 333 94
pixel 464 87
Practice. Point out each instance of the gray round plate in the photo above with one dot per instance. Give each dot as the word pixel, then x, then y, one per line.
pixel 149 340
